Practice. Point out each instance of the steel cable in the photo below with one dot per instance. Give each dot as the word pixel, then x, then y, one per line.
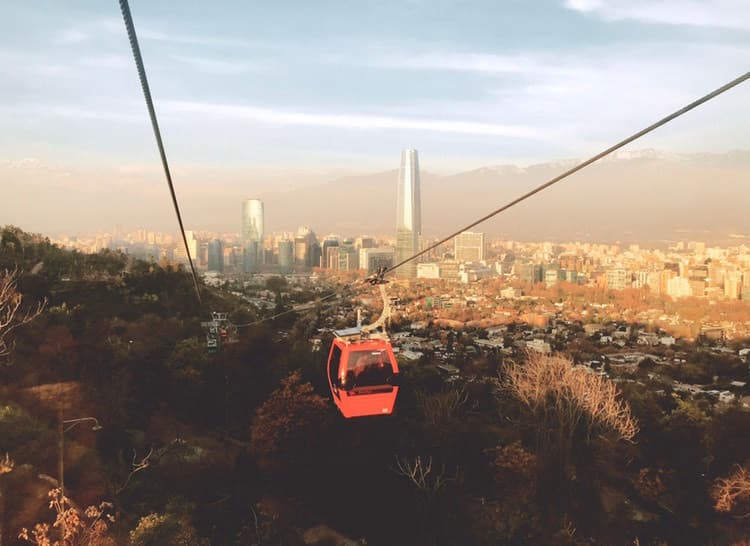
pixel 125 9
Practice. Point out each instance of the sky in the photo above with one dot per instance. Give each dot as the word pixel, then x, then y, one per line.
pixel 274 89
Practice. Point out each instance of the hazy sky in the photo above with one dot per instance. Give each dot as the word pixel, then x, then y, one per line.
pixel 347 84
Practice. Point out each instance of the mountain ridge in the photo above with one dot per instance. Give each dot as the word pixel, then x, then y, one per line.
pixel 645 195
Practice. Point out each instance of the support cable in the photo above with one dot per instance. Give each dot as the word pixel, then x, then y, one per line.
pixel 287 312
pixel 125 9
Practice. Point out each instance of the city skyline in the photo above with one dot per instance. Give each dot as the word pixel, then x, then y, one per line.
pixel 685 269
pixel 673 197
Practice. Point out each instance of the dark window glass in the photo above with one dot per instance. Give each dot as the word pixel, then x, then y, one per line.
pixel 368 369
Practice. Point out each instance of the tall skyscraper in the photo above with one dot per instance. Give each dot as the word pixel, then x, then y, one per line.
pixel 408 213
pixel 252 235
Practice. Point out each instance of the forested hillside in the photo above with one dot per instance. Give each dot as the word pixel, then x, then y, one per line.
pixel 243 446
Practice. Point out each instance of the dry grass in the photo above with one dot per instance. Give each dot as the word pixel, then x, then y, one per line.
pixel 71 526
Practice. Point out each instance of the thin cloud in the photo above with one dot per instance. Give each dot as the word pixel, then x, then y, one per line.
pixel 69 112
pixel 218 66
pixel 54 65
pixel 486 63
pixel 106 61
pixel 70 36
pixel 730 14
pixel 479 62
pixel 281 117
pixel 154 34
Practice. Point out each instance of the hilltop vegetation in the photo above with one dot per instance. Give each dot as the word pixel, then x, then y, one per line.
pixel 244 447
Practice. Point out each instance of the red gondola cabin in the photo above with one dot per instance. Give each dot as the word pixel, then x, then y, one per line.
pixel 363 374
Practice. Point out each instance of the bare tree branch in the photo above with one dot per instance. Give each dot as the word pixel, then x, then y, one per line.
pixel 137 466
pixel 443 407
pixel 11 314
pixel 420 472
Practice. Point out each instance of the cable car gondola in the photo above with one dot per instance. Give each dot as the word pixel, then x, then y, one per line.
pixel 362 370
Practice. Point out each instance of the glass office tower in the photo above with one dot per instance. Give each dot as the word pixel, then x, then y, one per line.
pixel 252 235
pixel 409 213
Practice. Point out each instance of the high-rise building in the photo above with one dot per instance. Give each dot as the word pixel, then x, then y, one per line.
pixel 348 256
pixel 618 279
pixel 469 247
pixel 329 244
pixel 679 287
pixel 216 256
pixel 530 273
pixel 300 250
pixel 202 254
pixel 332 258
pixel 306 248
pixel 551 276
pixel 231 256
pixel 408 213
pixel 286 256
pixel 733 285
pixel 364 242
pixel 745 287
pixel 314 256
pixel 180 254
pixel 372 259
pixel 252 235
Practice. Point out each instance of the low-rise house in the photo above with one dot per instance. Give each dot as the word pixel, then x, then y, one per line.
pixel 496 331
pixel 448 369
pixel 726 397
pixel 646 338
pixel 410 355
pixel 539 346
pixel 494 343
pixel 667 341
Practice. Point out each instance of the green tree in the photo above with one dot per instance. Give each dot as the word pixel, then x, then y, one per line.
pixel 276 284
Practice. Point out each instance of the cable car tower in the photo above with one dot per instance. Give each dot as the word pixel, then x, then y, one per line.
pixel 219 331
